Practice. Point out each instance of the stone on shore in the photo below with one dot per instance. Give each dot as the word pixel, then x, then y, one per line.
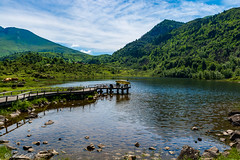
pixel 32 115
pixel 235 119
pixel 19 157
pixel 235 135
pixel 15 114
pixel 130 157
pixel 11 147
pixel 49 122
pixel 4 141
pixel 211 153
pixel 188 152
pixel 44 155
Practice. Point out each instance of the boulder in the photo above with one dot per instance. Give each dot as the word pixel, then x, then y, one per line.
pixel 53 151
pixel 211 153
pixel 188 152
pixel 2 118
pixel 43 155
pixel 167 148
pixel 19 157
pixel 87 137
pixel 235 119
pixel 45 142
pixel 235 135
pixel 99 150
pixel 49 122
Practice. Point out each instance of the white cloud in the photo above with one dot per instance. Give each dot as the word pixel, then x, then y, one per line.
pixel 87 52
pixel 97 25
pixel 75 45
pixel 231 3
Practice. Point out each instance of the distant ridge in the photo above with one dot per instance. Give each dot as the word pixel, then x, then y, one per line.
pixel 14 40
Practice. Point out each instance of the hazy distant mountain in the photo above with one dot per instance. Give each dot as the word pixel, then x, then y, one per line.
pixel 14 40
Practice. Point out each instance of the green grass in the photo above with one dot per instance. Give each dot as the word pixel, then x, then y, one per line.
pixel 234 155
pixel 5 153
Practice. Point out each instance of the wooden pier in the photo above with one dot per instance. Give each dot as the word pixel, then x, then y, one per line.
pixel 7 98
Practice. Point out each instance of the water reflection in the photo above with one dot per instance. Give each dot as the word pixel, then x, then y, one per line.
pixel 158 112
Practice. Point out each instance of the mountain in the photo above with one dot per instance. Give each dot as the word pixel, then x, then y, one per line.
pixel 14 40
pixel 205 48
pixel 138 48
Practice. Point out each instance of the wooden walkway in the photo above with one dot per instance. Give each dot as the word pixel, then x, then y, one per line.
pixel 9 97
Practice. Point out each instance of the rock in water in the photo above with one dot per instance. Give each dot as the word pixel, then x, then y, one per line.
pixel 137 144
pixel 26 147
pixel 194 128
pixel 91 147
pixel 4 141
pixel 211 153
pixel 188 152
pixel 152 148
pixel 49 122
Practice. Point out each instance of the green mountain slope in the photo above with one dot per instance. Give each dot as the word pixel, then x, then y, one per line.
pixel 138 48
pixel 14 40
pixel 206 48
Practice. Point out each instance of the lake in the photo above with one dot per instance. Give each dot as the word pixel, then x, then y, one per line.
pixel 158 112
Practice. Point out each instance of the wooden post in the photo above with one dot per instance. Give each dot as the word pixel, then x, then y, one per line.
pixel 29 94
pixel 37 93
pixel 6 98
pixel 107 91
pixel 44 92
pixel 23 96
pixel 117 91
pixel 11 93
pixel 17 97
pixel 122 91
pixel 127 91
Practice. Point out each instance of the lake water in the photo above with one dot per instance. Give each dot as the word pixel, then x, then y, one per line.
pixel 157 113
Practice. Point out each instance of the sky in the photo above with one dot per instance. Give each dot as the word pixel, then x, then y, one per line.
pixel 101 26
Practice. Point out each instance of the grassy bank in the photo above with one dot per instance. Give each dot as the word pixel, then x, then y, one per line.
pixel 5 153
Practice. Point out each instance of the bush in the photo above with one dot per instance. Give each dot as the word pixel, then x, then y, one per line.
pixel 21 105
pixel 39 100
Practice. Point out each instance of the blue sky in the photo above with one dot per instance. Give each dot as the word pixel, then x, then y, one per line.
pixel 101 26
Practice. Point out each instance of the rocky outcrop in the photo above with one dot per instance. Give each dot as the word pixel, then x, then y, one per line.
pixel 211 153
pixel 188 152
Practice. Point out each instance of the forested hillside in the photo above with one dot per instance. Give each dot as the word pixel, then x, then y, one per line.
pixel 206 48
